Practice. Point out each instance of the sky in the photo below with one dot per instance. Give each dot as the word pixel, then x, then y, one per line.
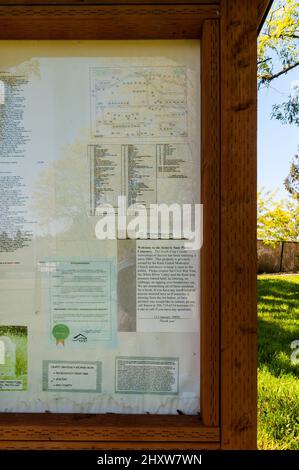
pixel 277 142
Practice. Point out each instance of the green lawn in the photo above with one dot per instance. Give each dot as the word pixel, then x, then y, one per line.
pixel 278 377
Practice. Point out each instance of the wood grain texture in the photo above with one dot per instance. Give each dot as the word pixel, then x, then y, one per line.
pixel 210 197
pixel 238 224
pixel 106 2
pixel 104 22
pixel 93 445
pixel 263 9
pixel 69 427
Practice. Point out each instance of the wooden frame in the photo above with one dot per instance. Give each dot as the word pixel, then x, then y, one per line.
pixel 227 29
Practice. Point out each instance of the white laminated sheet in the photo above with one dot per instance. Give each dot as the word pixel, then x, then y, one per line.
pixel 89 325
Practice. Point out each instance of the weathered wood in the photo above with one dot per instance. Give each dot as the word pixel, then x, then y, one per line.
pixel 238 224
pixel 110 427
pixel 262 11
pixel 210 197
pixel 106 2
pixel 104 22
pixel 94 445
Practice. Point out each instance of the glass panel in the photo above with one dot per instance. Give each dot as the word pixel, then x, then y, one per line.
pixel 99 308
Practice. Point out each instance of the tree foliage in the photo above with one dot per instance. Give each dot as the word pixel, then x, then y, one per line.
pixel 292 180
pixel 278 41
pixel 278 220
pixel 278 53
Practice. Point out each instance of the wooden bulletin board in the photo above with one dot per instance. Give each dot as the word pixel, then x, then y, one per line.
pixel 228 32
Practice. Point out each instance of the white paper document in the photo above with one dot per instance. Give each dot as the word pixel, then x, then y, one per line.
pixel 71 376
pixel 167 286
pixel 150 375
pixel 144 173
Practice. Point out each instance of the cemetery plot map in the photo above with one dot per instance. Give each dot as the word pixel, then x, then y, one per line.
pixel 148 102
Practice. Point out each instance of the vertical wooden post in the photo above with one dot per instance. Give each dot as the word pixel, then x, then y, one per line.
pixel 210 195
pixel 238 223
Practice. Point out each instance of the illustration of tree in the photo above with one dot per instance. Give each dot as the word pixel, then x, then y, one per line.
pixel 61 194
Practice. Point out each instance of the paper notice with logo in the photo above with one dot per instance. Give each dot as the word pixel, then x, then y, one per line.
pixel 82 302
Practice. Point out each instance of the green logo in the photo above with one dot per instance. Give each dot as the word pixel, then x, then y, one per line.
pixel 60 333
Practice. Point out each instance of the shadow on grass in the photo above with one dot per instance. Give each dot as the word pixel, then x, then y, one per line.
pixel 278 325
pixel 275 293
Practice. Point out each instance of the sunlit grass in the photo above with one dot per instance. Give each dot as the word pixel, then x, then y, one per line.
pixel 278 387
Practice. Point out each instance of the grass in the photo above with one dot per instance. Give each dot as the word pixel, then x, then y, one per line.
pixel 278 377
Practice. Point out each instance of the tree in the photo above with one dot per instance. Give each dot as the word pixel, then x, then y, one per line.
pixel 292 180
pixel 278 42
pixel 278 53
pixel 278 220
